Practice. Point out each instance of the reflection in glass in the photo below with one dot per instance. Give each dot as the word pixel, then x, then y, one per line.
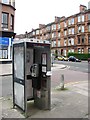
pixel 18 62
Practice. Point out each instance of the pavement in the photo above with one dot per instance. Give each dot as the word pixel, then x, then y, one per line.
pixel 5 69
pixel 72 102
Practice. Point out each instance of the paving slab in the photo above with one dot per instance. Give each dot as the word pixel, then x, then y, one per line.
pixel 5 69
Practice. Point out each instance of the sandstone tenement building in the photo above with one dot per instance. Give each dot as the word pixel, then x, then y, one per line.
pixel 66 34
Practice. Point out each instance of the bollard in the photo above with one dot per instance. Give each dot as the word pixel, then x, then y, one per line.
pixel 62 82
pixel 52 64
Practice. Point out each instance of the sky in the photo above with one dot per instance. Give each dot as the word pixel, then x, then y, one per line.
pixel 30 13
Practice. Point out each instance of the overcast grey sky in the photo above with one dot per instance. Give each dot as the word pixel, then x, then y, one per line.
pixel 30 13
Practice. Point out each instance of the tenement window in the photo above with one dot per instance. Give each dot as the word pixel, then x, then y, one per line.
pixel 64 52
pixel 72 21
pixel 65 24
pixel 88 28
pixel 72 50
pixel 65 43
pixel 89 39
pixel 82 28
pixel 72 30
pixel 59 34
pixel 40 31
pixel 54 27
pixel 88 50
pixel 79 50
pixel 53 35
pixel 69 22
pixel 58 26
pixel 89 16
pixel 78 40
pixel 69 41
pixel 37 32
pixel 83 39
pixel 79 19
pixel 12 2
pixel 5 1
pixel 48 28
pixel 33 33
pixel 65 32
pixel 12 22
pixel 82 50
pixel 69 31
pixel 58 43
pixel 79 29
pixel 82 18
pixel 53 43
pixel 72 41
pixel 4 20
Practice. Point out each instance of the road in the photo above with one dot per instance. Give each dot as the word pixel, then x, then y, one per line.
pixel 77 66
pixel 69 76
pixel 74 73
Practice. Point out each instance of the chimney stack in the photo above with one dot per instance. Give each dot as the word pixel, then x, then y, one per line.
pixel 82 8
pixel 57 19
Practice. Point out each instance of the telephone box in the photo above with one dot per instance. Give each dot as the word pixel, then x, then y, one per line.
pixel 31 73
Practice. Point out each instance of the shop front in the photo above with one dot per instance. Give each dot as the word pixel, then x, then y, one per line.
pixel 5 48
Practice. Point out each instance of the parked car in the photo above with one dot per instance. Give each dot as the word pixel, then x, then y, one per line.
pixel 62 58
pixel 74 59
pixel 65 58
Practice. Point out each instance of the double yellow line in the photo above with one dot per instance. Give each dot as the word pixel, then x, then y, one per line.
pixel 72 83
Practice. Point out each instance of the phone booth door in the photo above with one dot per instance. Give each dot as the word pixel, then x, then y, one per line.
pixel 18 76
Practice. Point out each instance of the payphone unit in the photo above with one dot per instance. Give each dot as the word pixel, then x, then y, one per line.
pixel 34 70
pixel 31 78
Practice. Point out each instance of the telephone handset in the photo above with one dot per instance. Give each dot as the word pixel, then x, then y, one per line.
pixel 34 70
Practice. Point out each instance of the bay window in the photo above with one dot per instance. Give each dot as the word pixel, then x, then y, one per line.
pixel 58 43
pixel 5 1
pixel 4 20
pixel 82 28
pixel 54 27
pixel 72 30
pixel 88 28
pixel 82 18
pixel 89 39
pixel 12 22
pixel 79 19
pixel 89 16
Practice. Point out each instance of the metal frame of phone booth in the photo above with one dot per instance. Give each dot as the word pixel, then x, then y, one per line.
pixel 31 73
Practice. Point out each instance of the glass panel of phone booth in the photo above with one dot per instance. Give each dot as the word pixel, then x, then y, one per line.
pixel 19 62
pixel 29 63
pixel 19 96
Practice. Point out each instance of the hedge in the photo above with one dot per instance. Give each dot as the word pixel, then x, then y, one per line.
pixel 81 56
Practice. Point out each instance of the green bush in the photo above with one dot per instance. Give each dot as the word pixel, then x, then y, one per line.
pixel 81 56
